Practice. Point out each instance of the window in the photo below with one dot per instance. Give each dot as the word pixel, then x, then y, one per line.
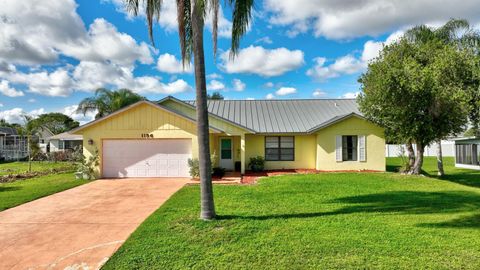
pixel 279 148
pixel 349 148
pixel 467 154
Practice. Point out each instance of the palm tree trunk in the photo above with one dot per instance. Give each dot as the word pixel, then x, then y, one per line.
pixel 206 190
pixel 441 172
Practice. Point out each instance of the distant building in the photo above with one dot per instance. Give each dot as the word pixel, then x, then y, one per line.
pixel 65 141
pixel 467 153
pixel 12 145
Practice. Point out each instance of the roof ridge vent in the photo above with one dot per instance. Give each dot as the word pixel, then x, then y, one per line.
pixel 335 104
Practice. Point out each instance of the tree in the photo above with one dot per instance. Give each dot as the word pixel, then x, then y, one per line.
pixel 30 129
pixel 191 18
pixel 215 95
pixel 56 122
pixel 418 92
pixel 106 101
pixel 458 33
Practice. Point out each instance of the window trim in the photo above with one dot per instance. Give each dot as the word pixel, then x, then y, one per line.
pixel 279 148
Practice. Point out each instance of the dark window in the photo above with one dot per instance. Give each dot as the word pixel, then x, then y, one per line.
pixel 349 148
pixel 279 148
pixel 467 154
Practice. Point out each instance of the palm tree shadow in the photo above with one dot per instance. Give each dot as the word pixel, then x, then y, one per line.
pixel 9 188
pixel 466 178
pixel 401 202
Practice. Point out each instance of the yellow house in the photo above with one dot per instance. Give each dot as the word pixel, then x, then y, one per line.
pixel 155 139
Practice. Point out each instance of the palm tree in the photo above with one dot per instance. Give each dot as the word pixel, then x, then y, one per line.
pixel 191 18
pixel 459 33
pixel 106 101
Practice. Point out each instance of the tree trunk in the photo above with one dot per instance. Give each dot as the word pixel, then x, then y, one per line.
pixel 441 172
pixel 411 157
pixel 417 167
pixel 207 211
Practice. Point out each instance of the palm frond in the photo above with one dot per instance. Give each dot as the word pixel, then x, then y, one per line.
pixel 214 8
pixel 185 30
pixel 132 6
pixel 242 14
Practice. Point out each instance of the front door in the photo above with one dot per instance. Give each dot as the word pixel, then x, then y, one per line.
pixel 226 153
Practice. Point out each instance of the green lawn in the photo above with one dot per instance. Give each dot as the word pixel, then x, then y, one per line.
pixel 37 166
pixel 22 191
pixel 324 221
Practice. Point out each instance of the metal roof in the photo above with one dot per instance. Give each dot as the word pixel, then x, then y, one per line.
pixel 67 136
pixel 282 116
pixel 8 131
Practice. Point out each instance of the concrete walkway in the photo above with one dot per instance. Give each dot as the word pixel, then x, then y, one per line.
pixel 79 228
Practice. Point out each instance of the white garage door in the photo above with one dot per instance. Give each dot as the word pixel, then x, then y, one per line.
pixel 146 158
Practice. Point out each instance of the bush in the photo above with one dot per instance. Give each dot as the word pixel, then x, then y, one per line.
pixel 257 164
pixel 218 172
pixel 193 165
pixel 194 170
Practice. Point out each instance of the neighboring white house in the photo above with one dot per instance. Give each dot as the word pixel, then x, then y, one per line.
pixel 44 134
pixel 448 149
pixel 65 141
pixel 467 153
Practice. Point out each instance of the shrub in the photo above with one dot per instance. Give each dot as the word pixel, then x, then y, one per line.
pixel 193 165
pixel 87 167
pixel 257 164
pixel 218 172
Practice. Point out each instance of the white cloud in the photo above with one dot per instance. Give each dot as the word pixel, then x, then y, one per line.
pixel 1 105
pixel 32 34
pixel 215 85
pixel 92 75
pixel 168 63
pixel 214 76
pixel 318 93
pixel 283 91
pixel 268 85
pixel 250 98
pixel 270 96
pixel 350 95
pixel 350 64
pixel 266 40
pixel 261 61
pixel 350 19
pixel 17 115
pixel 238 85
pixel 32 100
pixel 8 91
pixel 82 119
pixel 347 64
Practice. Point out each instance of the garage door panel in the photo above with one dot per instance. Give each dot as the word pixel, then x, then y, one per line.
pixel 146 158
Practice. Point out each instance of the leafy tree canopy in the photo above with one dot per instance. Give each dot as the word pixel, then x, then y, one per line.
pixel 55 122
pixel 419 91
pixel 215 95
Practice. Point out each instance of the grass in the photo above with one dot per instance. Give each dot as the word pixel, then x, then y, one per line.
pixel 37 166
pixel 324 221
pixel 22 191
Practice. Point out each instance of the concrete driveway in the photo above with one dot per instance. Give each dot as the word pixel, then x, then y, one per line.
pixel 79 228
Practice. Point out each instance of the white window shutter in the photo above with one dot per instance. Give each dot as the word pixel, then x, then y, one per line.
pixel 338 148
pixel 362 143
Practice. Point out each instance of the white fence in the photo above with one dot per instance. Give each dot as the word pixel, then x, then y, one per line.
pixel 395 150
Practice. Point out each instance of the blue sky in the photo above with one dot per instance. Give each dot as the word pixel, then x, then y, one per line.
pixel 55 53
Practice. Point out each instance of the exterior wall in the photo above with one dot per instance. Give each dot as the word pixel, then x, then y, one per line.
pixel 375 146
pixel 131 124
pixel 305 152
pixel 229 129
